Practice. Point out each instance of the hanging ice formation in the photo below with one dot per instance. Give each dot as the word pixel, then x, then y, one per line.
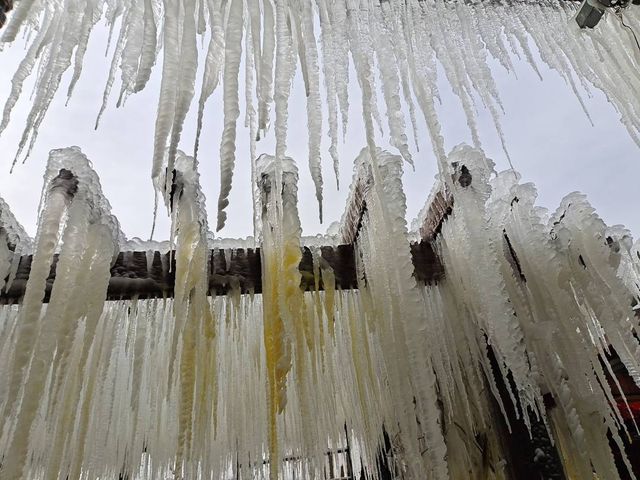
pixel 118 358
pixel 404 39
pixel 283 383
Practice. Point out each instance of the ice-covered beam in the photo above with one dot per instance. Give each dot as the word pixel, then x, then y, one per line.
pixel 152 274
pixel 14 234
pixel 136 274
pixel 440 204
pixel 437 207
pixel 356 207
pixel 13 241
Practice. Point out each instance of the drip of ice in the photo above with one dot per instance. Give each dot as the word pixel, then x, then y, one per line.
pixel 396 46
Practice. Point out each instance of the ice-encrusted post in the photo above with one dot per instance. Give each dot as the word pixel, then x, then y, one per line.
pixel 383 243
pixel 193 332
pixel 472 250
pixel 282 297
pixel 75 220
pixel 58 195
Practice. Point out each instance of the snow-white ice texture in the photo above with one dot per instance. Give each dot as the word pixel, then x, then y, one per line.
pixel 396 47
pixel 264 385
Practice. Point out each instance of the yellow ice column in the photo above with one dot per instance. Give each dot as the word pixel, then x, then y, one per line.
pixel 282 297
pixel 193 322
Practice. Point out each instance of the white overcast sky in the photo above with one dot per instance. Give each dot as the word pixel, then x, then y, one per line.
pixel 550 140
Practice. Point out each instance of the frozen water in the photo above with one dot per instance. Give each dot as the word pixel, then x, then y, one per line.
pixel 395 47
pixel 264 385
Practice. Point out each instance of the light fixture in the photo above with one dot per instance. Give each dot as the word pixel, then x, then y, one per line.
pixel 591 11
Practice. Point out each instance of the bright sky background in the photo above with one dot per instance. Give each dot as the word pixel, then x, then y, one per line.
pixel 549 138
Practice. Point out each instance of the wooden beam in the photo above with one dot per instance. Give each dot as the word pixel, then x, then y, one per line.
pixel 229 270
pixel 440 206
pixel 356 207
pixel 134 275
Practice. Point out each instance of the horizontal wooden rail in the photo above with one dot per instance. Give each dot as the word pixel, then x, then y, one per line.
pixel 237 269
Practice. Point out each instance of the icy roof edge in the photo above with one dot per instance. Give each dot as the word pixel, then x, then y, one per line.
pixel 136 244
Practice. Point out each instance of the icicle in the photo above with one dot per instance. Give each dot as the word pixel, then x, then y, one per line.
pixel 233 50
pixel 91 17
pixel 419 34
pixel 188 66
pixel 17 19
pixel 391 88
pixel 15 238
pixel 28 327
pixel 265 94
pixel 384 223
pixel 340 58
pixel 314 107
pixel 131 52
pixel 251 119
pixel 213 64
pixel 118 51
pixel 168 93
pixel 149 46
pixel 204 384
pixel 26 67
pixel 200 385
pixel 284 72
pixel 63 40
pixel 282 295
pixel 330 82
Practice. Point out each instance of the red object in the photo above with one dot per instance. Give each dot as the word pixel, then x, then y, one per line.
pixel 630 411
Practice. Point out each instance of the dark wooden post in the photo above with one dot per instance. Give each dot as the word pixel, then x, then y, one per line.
pixel 348 454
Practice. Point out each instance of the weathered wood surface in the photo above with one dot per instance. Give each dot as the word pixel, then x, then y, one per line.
pixel 440 207
pixel 229 269
pixel 356 207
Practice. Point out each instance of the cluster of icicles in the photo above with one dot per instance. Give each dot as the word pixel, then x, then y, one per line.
pixel 277 385
pixel 395 48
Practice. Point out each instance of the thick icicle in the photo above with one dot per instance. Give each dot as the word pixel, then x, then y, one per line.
pixel 314 106
pixel 213 63
pixel 233 51
pixel 282 296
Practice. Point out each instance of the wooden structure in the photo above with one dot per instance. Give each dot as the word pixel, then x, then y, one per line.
pixel 229 269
